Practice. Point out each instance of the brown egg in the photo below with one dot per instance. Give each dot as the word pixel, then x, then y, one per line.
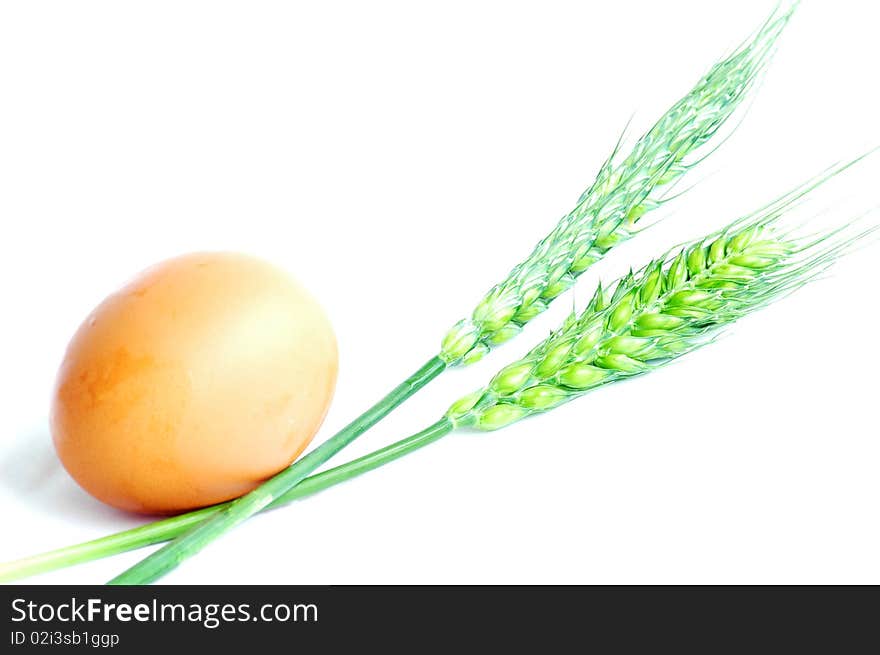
pixel 202 377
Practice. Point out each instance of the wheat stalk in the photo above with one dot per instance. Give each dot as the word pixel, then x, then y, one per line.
pixel 609 211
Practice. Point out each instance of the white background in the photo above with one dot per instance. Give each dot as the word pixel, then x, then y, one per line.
pixel 398 158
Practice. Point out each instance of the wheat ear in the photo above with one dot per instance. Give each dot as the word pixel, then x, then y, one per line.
pixel 609 212
pixel 667 309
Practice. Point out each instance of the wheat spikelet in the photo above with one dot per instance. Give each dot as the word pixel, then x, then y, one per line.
pixel 608 212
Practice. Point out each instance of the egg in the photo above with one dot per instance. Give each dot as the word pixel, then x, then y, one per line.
pixel 199 379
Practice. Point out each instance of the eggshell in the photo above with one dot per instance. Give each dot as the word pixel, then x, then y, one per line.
pixel 203 376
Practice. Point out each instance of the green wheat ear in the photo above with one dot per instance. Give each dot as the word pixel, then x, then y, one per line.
pixel 670 307
pixel 609 211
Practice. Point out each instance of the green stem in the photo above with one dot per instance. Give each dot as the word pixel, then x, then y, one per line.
pixel 191 542
pixel 166 529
